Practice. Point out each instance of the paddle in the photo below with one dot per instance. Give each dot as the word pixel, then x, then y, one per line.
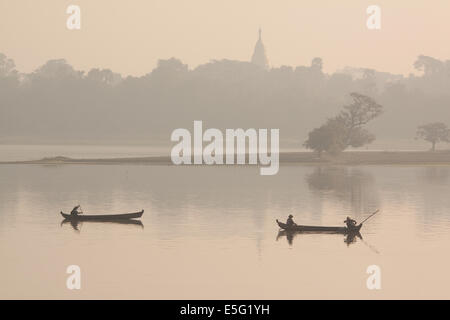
pixel 370 216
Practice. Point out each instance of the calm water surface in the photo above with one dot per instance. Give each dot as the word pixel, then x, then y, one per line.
pixel 210 232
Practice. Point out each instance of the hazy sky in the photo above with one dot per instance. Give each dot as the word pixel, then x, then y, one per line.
pixel 130 36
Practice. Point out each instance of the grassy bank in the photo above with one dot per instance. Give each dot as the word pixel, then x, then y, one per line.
pixel 286 158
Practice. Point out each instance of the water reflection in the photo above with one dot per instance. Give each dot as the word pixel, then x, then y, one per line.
pixel 76 225
pixel 352 185
pixel 349 239
pixel 434 175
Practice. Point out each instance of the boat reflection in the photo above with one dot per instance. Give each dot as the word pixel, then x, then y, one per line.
pixel 76 224
pixel 349 238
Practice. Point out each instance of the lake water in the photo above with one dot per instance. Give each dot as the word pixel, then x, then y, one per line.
pixel 210 232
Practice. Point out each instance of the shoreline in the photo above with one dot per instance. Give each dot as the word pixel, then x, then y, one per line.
pixel 285 158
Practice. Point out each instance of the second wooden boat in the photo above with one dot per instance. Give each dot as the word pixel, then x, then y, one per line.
pixel 300 228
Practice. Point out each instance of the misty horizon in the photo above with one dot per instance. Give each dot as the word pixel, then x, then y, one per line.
pixel 130 38
pixel 92 106
pixel 133 74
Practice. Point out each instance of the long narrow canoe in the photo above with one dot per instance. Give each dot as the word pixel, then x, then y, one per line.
pixel 102 217
pixel 300 228
pixel 119 221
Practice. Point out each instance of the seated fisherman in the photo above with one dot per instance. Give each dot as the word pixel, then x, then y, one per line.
pixel 290 222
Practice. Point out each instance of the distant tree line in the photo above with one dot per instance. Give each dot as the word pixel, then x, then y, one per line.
pixel 57 103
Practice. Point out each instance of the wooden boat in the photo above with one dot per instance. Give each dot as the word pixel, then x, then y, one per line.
pixel 300 228
pixel 102 217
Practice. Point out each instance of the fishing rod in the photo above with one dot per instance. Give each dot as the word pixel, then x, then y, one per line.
pixel 370 246
pixel 370 216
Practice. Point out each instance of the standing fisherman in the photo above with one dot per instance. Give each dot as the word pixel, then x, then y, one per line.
pixel 350 223
pixel 75 211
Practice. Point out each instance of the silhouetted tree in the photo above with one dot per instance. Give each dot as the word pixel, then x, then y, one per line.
pixel 58 70
pixel 9 76
pixel 317 64
pixel 362 110
pixel 103 76
pixel 434 132
pixel 7 67
pixel 346 129
pixel 428 65
pixel 170 69
pixel 329 137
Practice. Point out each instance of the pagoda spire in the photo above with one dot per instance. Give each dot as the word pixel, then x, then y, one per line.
pixel 259 54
